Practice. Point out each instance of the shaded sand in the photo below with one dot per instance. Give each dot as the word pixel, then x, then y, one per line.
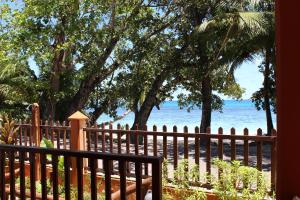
pixel 266 154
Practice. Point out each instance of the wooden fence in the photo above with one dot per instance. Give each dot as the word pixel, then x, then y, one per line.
pixel 73 163
pixel 253 150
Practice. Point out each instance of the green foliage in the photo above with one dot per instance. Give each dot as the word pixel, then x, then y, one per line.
pixel 61 189
pixel 77 48
pixel 258 96
pixel 239 182
pixel 8 130
pixel 181 182
pixel 45 143
pixel 98 56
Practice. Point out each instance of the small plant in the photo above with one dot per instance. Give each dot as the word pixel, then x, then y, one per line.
pixel 182 177
pixel 239 182
pixel 8 130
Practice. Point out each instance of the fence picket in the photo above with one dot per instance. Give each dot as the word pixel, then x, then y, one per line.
pixel 233 145
pixel 165 145
pixel 246 148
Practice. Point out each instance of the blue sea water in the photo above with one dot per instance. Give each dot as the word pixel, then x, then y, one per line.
pixel 237 114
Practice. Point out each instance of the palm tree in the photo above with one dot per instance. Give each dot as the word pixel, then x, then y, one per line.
pixel 248 34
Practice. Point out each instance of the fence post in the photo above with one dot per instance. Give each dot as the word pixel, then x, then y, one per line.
pixel 36 136
pixel 77 140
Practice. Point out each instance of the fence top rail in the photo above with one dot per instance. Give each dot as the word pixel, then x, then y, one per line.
pixel 56 127
pixel 190 135
pixel 82 154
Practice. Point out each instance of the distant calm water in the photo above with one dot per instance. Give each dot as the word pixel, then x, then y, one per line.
pixel 237 114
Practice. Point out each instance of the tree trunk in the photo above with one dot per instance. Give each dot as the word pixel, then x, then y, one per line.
pixel 206 91
pixel 267 92
pixel 57 67
pixel 142 114
pixel 88 85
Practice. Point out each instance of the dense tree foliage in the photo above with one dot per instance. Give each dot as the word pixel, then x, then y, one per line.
pixel 97 56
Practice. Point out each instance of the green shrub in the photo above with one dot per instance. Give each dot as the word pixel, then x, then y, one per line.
pixel 181 182
pixel 239 182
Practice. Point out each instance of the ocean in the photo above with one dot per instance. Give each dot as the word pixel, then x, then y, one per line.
pixel 238 114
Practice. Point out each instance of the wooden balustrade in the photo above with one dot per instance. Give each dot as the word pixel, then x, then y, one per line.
pixel 19 190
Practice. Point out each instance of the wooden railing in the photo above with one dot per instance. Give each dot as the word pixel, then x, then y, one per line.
pixel 252 149
pixel 195 147
pixel 73 163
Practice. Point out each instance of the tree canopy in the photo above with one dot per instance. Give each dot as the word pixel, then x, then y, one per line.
pixel 97 56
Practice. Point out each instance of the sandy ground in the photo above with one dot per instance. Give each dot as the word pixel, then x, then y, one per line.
pixel 266 152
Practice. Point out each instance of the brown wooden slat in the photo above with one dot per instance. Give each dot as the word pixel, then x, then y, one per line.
pixel 107 172
pixel 273 162
pixel 233 145
pixel 127 146
pixel 259 151
pixel 119 139
pixel 138 178
pixel 2 175
pixel 93 179
pixel 65 136
pixel 127 139
pixel 175 148
pixel 21 135
pixel 58 135
pixel 157 179
pixel 67 177
pixel 32 176
pixel 30 134
pixel 111 142
pixel 122 170
pixel 165 144
pixel 103 138
pixel 55 176
pixel 52 132
pixel 12 174
pixel 88 134
pixel 246 148
pixel 186 143
pixel 43 176
pixel 197 146
pixel 220 144
pixel 22 175
pixel 208 153
pixel 136 140
pixel 25 135
pixel 220 149
pixel 96 139
pixel 154 141
pixel 146 149
pixel 79 163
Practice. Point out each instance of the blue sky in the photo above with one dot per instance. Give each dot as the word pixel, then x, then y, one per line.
pixel 249 77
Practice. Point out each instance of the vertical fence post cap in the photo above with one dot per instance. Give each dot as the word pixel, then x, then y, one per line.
pixel 77 115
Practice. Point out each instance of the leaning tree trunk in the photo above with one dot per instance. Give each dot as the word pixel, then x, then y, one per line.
pixel 142 114
pixel 267 92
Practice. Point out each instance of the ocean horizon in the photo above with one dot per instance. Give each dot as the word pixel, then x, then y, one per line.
pixel 235 114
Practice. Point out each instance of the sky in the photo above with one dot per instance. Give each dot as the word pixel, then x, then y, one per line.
pixel 249 77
